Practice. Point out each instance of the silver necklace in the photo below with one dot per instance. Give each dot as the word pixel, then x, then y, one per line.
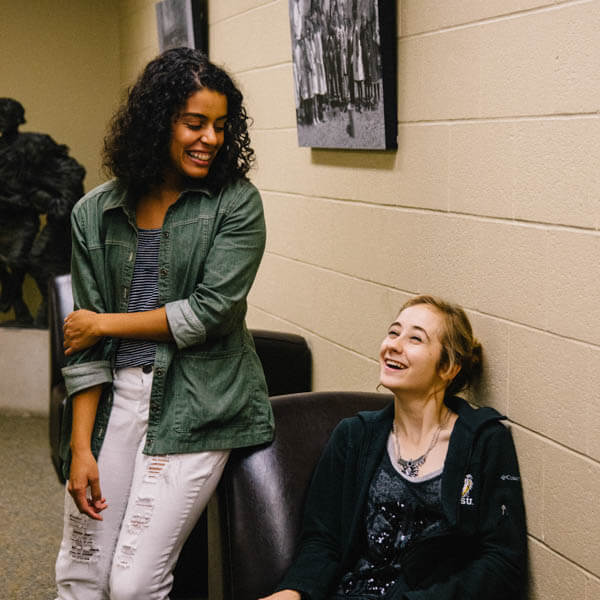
pixel 411 468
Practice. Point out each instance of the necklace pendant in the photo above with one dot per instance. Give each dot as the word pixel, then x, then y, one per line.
pixel 410 468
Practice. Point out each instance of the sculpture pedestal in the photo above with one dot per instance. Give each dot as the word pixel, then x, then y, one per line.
pixel 24 370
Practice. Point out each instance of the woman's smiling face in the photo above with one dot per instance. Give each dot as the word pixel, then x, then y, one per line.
pixel 410 353
pixel 198 133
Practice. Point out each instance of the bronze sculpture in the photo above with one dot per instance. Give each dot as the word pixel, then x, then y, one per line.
pixel 37 177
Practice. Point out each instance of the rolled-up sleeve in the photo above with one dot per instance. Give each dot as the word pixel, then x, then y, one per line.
pixel 91 366
pixel 187 329
pixel 85 375
pixel 218 302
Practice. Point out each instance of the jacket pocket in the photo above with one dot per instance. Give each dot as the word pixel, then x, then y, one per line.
pixel 212 390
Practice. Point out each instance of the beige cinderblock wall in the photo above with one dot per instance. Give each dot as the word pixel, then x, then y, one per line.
pixel 491 200
pixel 60 60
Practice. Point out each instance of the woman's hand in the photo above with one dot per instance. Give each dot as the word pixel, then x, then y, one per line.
pixel 84 474
pixel 80 330
pixel 283 595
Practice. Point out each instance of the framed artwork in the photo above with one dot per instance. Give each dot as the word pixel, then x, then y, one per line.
pixel 182 23
pixel 344 63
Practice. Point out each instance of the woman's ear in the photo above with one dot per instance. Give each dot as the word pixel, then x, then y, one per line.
pixel 449 373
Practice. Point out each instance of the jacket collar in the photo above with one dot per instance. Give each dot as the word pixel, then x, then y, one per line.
pixel 472 418
pixel 119 198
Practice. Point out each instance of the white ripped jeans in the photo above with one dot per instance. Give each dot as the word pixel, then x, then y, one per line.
pixel 153 504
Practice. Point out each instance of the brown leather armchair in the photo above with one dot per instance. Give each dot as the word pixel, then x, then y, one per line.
pixel 254 519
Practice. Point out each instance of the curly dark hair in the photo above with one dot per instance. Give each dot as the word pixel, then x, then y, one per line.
pixel 136 149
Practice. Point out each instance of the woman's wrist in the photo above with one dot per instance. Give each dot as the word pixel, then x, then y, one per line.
pixel 80 446
pixel 100 325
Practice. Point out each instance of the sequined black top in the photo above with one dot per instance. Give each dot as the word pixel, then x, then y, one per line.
pixel 399 511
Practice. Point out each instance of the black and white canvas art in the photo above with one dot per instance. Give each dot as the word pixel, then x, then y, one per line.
pixel 182 23
pixel 344 61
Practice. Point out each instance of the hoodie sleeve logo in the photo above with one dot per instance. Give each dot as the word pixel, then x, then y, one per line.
pixel 465 496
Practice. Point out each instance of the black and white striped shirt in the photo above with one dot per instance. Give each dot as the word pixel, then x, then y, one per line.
pixel 142 296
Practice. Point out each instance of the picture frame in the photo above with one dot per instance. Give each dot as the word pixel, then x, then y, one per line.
pixel 344 64
pixel 182 23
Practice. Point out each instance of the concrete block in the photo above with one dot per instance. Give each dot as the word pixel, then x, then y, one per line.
pixel 337 368
pixel 493 335
pixel 592 408
pixel 592 589
pixel 483 168
pixel 260 87
pixel 24 365
pixel 279 162
pixel 538 63
pixel 530 451
pixel 339 298
pixel 439 76
pixel 557 178
pixel 511 269
pixel 415 176
pixel 257 318
pixel 429 15
pixel 264 34
pixel 552 382
pixel 571 509
pixel 219 10
pixel 572 270
pixel 553 576
pixel 534 170
pixel 411 251
pixel 420 175
pixel 497 268
pixel 541 63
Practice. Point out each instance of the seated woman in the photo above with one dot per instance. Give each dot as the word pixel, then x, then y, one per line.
pixel 446 523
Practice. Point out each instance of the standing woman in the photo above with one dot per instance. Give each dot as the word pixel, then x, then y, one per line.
pixel 162 376
pixel 422 500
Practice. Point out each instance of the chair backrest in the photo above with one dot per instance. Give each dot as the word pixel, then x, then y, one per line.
pixel 60 304
pixel 257 516
pixel 286 361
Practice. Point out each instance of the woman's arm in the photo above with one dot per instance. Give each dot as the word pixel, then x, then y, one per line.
pixel 218 303
pixel 84 469
pixel 83 328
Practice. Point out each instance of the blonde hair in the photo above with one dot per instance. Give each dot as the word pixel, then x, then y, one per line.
pixel 459 346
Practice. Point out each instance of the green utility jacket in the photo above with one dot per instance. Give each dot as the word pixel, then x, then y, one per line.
pixel 208 390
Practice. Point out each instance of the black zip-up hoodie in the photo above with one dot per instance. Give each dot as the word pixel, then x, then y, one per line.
pixel 481 555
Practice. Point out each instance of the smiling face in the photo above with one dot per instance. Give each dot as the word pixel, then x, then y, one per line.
pixel 198 134
pixel 410 353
